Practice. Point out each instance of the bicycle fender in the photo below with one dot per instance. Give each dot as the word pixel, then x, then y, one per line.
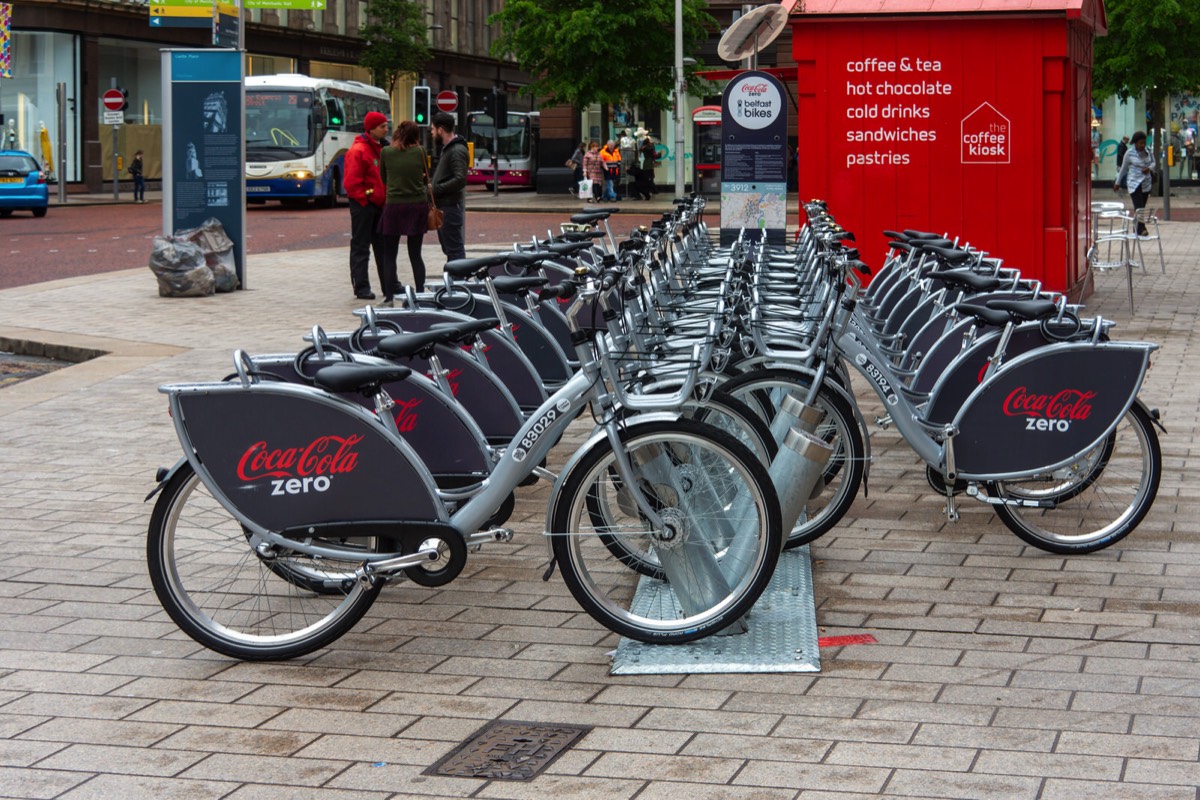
pixel 162 475
pixel 1045 407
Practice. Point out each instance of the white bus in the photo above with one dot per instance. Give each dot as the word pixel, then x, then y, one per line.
pixel 518 148
pixel 298 130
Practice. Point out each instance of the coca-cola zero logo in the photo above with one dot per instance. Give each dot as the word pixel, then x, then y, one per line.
pixel 299 470
pixel 1049 411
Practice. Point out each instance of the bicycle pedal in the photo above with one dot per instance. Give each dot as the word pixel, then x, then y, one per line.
pixel 476 540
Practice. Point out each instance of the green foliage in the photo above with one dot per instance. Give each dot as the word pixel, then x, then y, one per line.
pixel 397 40
pixel 1152 46
pixel 600 51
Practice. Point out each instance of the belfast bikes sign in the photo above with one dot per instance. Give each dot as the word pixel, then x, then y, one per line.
pixel 754 157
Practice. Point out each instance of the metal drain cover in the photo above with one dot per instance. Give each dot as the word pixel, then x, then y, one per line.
pixel 508 750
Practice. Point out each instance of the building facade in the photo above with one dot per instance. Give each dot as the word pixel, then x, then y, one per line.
pixel 88 46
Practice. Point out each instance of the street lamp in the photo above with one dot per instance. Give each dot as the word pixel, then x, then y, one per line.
pixel 680 95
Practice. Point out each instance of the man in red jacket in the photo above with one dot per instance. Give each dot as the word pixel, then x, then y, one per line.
pixel 367 194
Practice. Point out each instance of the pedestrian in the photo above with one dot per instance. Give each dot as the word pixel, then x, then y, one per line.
pixel 1137 175
pixel 612 170
pixel 139 182
pixel 593 170
pixel 402 168
pixel 449 186
pixel 1122 148
pixel 575 162
pixel 366 193
pixel 647 159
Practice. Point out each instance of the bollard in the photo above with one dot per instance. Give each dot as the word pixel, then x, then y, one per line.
pixel 689 559
pixel 795 413
pixel 796 472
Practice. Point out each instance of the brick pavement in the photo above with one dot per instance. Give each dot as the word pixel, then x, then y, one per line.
pixel 1000 671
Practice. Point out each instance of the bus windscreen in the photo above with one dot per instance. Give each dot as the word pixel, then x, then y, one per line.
pixel 279 121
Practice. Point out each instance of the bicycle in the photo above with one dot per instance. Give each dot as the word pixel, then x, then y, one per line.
pixel 276 532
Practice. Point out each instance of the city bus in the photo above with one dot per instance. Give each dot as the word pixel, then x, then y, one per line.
pixel 298 130
pixel 518 146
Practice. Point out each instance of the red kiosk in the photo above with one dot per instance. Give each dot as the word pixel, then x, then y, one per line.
pixel 964 116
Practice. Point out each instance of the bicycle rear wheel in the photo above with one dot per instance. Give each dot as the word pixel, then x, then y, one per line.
pixel 711 560
pixel 1094 502
pixel 234 601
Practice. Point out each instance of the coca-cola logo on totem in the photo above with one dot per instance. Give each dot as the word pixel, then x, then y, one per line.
pixel 754 88
pixel 322 457
pixel 1067 404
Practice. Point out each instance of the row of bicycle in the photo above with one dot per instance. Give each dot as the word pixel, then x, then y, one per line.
pixel 723 428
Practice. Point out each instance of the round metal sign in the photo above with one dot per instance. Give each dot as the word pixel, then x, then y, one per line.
pixel 114 99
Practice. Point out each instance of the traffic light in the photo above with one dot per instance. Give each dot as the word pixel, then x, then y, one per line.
pixel 501 115
pixel 421 105
pixel 125 95
pixel 495 105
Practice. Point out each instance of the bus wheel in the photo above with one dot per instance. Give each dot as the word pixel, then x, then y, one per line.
pixel 331 200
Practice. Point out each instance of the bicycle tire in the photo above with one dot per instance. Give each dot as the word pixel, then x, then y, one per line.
pixel 222 594
pixel 694 474
pixel 843 474
pixel 1107 499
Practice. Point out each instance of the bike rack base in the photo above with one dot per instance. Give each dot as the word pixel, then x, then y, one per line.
pixel 782 636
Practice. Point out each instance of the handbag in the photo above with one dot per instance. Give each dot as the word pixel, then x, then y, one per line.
pixel 585 189
pixel 436 217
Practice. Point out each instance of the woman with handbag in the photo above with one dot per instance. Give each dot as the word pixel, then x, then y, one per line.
pixel 593 170
pixel 403 169
pixel 575 162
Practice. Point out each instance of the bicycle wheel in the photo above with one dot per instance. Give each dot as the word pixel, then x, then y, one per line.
pixel 720 410
pixel 230 599
pixel 709 563
pixel 764 390
pixel 724 411
pixel 1093 503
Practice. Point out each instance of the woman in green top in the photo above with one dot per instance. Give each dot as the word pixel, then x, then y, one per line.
pixel 406 213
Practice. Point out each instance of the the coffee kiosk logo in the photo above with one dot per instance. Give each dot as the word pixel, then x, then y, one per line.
pixel 986 137
pixel 755 103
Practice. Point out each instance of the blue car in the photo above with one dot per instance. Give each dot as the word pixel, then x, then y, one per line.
pixel 22 184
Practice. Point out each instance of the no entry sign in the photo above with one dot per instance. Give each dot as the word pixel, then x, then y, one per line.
pixel 114 100
pixel 447 101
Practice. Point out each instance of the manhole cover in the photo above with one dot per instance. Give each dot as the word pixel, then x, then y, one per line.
pixel 509 751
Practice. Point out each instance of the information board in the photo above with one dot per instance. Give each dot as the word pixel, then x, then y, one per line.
pixel 204 145
pixel 754 158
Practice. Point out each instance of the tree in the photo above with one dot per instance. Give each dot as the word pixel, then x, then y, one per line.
pixel 600 51
pixel 396 37
pixel 1152 47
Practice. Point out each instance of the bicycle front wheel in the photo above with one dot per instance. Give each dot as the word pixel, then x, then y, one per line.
pixel 1095 501
pixel 707 564
pixel 235 601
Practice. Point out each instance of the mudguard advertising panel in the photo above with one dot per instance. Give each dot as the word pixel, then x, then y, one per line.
pixel 284 456
pixel 1046 407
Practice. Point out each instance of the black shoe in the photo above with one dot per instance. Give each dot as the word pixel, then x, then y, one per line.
pixel 367 295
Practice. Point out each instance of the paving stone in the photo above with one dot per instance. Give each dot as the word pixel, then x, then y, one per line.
pixel 1061 677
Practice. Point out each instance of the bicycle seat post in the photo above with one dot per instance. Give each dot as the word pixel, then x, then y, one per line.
pixel 383 409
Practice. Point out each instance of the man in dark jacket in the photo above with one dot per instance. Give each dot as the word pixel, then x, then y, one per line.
pixel 367 194
pixel 449 186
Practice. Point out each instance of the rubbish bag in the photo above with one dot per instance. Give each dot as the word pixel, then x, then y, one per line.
pixel 210 236
pixel 180 268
